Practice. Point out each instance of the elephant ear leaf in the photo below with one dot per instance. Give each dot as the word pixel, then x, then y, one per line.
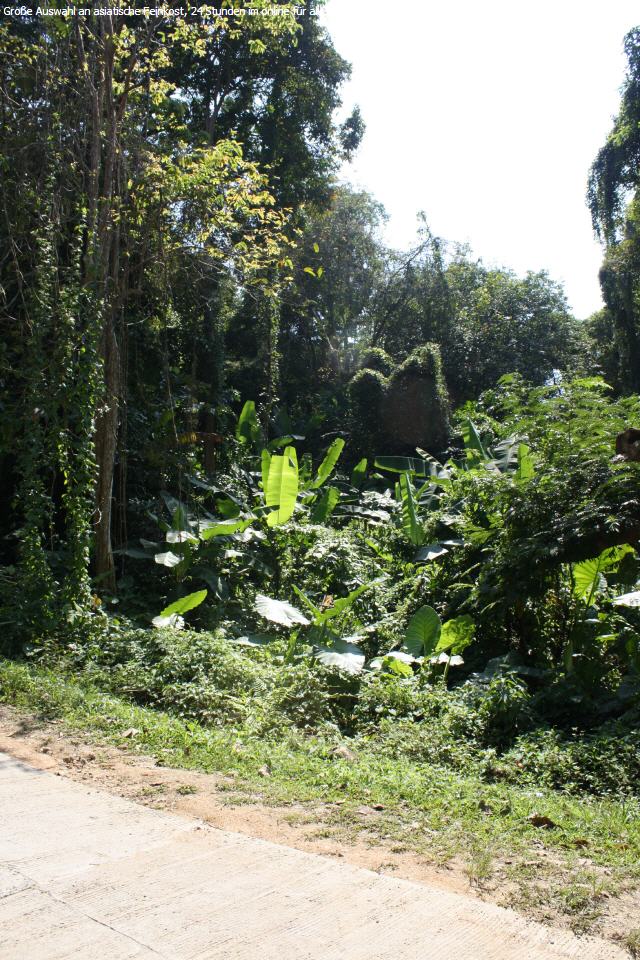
pixel 628 599
pixel 344 653
pixel 456 635
pixel 279 611
pixel 423 632
pixel 168 559
pixel 588 575
pixel 587 578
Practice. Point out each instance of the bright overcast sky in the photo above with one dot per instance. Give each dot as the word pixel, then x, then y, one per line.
pixel 487 114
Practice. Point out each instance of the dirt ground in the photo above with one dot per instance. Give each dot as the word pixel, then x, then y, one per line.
pixel 211 798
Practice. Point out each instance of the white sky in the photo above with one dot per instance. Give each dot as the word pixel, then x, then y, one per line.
pixel 487 114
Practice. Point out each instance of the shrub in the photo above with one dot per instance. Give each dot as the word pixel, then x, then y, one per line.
pixel 366 393
pixel 377 359
pixel 606 762
pixel 308 696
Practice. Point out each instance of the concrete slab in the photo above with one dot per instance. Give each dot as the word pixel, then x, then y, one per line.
pixel 86 874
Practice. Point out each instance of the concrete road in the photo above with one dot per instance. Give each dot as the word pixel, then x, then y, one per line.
pixel 84 874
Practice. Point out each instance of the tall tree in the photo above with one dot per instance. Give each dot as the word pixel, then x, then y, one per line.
pixel 278 96
pixel 110 209
pixel 338 265
pixel 486 322
pixel 614 199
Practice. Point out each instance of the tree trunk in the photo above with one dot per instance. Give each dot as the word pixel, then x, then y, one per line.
pixel 104 182
pixel 106 444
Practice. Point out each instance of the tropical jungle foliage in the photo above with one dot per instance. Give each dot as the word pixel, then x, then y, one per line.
pixel 259 470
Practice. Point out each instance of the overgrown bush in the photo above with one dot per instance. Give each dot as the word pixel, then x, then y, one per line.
pixel 395 410
pixel 416 407
pixel 605 762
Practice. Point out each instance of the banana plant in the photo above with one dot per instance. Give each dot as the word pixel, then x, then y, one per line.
pixel 280 485
pixel 415 500
pixel 284 484
pixel 508 456
pixel 185 538
pixel 412 523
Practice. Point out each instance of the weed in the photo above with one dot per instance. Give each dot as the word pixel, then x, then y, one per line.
pixel 632 942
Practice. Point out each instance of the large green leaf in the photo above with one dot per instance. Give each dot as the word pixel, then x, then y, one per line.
pixel 328 464
pixel 397 662
pixel 432 551
pixel 274 445
pixel 410 522
pixel 171 615
pixel 279 611
pixel 588 579
pixel 526 465
pixel 167 559
pixel 628 599
pixel 248 428
pixel 473 444
pixel 222 528
pixel 418 468
pixel 282 487
pixel 325 506
pixel 343 654
pixel 359 473
pixel 423 632
pixel 456 634
pixel 253 640
pixel 180 536
pixel 505 454
pixel 184 604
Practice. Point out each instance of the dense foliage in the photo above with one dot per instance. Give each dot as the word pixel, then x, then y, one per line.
pixel 260 470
